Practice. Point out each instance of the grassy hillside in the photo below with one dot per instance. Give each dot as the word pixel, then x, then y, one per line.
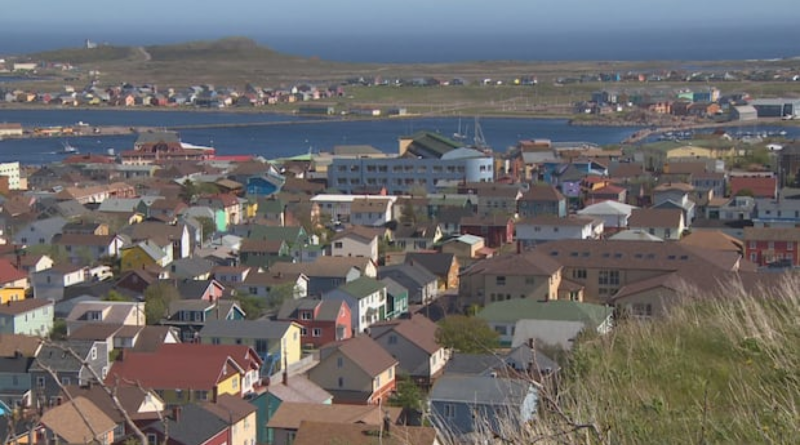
pixel 721 371
pixel 80 56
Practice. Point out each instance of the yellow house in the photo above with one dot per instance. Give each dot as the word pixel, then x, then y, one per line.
pixel 250 209
pixel 11 294
pixel 240 413
pixel 278 342
pixel 691 151
pixel 143 255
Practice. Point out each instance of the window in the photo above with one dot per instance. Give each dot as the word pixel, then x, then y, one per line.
pixel 392 339
pixel 341 382
pixel 642 310
pixel 789 245
pixel 235 382
pixel 608 277
pixel 530 281
pixel 66 381
pixel 215 340
pixel 40 382
pixel 94 353
pixel 337 245
pixel 771 245
pixel 262 346
pixel 201 395
pixel 500 280
pixel 316 332
pixel 305 315
pixel 152 439
pixel 500 330
pixel 303 332
pixel 449 411
pixel 339 362
pixel 579 273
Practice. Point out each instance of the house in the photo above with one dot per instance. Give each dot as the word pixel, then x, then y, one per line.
pixel 85 228
pixel 412 342
pixel 541 229
pixel 144 406
pixel 613 214
pixel 422 285
pixel 355 371
pixel 262 253
pixel 714 240
pixel 285 423
pixel 12 345
pixel 366 298
pixel 34 263
pixel 650 297
pixel 498 199
pixel 314 433
pixel 528 275
pixel 736 208
pixel 89 249
pixel 396 299
pixel 522 361
pixel 39 232
pixel 145 254
pixel 758 187
pixel 79 421
pixel 782 212
pixel 461 404
pixel 714 181
pixel 262 186
pixel 191 268
pixel 73 362
pixel 238 414
pixel 190 424
pixel 114 313
pixel 542 199
pixel 370 212
pixel 609 192
pixel 184 373
pixel 189 316
pixel 444 265
pixel 667 224
pixel 449 218
pixel 13 282
pixel 767 246
pixel 136 338
pixel 228 203
pixel 32 316
pixel 51 283
pixel 327 273
pixel 166 210
pixel 555 323
pixel 356 241
pixel 295 390
pixel 495 230
pixel 321 321
pixel 274 285
pixel 231 276
pixel 466 248
pixel 175 235
pixel 277 343
pixel 675 195
pixel 15 382
pixel 412 237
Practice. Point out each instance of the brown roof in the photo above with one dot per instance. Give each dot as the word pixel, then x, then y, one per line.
pixel 130 397
pixel 322 433
pixel 21 306
pixel 230 408
pixel 365 353
pixel 69 421
pixel 655 218
pixel 302 185
pixel 27 345
pixel 668 280
pixel 627 170
pixel 550 220
pixel 150 339
pixel 682 186
pixel 761 187
pixel 713 239
pixel 290 414
pixel 372 204
pixel 255 245
pixel 325 266
pixel 95 331
pixel 772 234
pixel 542 193
pixel 499 191
pixel 528 263
pixel 73 239
pixel 278 274
pixel 419 330
pixel 365 233
pixel 485 221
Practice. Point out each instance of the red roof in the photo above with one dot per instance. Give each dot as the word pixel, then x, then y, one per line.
pixel 761 187
pixel 88 159
pixel 234 158
pixel 9 273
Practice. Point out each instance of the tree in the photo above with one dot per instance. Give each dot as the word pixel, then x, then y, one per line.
pixel 408 214
pixel 252 306
pixel 157 298
pixel 59 330
pixel 466 334
pixel 280 293
pixel 208 227
pixel 189 192
pixel 113 295
pixel 408 395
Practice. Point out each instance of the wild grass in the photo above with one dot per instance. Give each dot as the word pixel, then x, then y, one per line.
pixel 719 368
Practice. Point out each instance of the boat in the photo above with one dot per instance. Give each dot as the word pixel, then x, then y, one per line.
pixel 68 149
pixel 459 136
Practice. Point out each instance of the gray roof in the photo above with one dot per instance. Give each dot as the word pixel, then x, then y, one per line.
pixel 49 225
pixel 479 389
pixel 408 276
pixel 393 288
pixel 190 267
pixel 473 364
pixel 56 358
pixel 15 365
pixel 196 426
pixel 524 355
pixel 245 329
pixel 436 263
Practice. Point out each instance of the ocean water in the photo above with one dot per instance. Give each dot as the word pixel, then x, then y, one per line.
pixel 708 43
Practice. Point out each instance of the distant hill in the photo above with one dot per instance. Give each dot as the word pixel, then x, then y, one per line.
pixel 231 48
pixel 80 56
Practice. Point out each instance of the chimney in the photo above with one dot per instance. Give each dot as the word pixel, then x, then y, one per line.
pixel 121 356
pixel 176 414
pixel 285 370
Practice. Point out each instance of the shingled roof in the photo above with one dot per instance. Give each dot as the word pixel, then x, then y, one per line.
pixel 364 352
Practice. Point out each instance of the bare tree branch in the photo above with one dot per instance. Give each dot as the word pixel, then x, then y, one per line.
pixel 66 392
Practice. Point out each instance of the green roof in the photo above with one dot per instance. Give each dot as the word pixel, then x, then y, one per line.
pixel 288 234
pixel 434 143
pixel 270 206
pixel 362 287
pixel 558 310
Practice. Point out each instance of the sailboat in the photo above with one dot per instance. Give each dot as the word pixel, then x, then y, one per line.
pixel 459 136
pixel 68 149
pixel 479 140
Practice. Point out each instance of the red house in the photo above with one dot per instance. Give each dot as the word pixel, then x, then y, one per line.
pixel 760 187
pixel 771 245
pixel 323 322
pixel 496 230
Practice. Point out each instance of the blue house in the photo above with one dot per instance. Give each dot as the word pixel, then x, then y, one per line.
pixel 463 404
pixel 264 185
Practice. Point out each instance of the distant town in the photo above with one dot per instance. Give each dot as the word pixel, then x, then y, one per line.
pixel 169 294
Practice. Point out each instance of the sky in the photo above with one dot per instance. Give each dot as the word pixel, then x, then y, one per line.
pixel 369 17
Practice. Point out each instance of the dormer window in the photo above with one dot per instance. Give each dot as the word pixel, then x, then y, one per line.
pixel 94 315
pixel 305 315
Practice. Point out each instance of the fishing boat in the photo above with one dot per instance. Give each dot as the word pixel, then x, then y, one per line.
pixel 68 149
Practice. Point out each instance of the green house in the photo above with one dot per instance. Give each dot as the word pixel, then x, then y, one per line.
pixel 396 299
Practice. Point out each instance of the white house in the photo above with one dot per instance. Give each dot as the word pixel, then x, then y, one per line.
pixel 357 241
pixel 371 211
pixel 338 207
pixel 541 229
pixel 50 283
pixel 613 214
pixel 667 224
pixel 366 297
pixel 11 170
